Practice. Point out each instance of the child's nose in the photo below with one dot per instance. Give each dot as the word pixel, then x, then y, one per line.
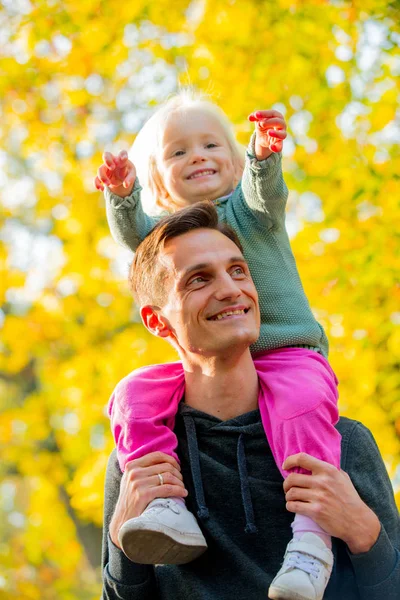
pixel 198 155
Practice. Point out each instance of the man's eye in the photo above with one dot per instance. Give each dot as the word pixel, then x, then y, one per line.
pixel 198 279
pixel 238 271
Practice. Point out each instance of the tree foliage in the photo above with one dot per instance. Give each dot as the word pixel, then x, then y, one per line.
pixel 80 76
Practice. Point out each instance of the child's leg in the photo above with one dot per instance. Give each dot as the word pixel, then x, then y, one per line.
pixel 298 405
pixel 302 524
pixel 142 411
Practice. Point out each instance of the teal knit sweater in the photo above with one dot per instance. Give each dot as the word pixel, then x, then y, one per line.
pixel 256 210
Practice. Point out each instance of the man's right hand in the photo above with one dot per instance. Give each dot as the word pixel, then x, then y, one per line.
pixel 140 485
pixel 117 172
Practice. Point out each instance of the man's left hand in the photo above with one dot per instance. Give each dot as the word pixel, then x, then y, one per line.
pixel 329 498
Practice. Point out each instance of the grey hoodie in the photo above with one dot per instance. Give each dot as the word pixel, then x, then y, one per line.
pixel 236 491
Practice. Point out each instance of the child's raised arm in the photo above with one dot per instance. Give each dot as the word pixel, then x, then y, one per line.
pixel 128 222
pixel 263 186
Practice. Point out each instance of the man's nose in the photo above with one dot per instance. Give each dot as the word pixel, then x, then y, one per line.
pixel 227 288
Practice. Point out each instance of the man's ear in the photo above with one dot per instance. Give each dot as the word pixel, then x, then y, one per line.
pixel 154 321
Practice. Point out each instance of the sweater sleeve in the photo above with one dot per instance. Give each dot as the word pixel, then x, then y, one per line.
pixel 122 579
pixel 128 222
pixel 264 189
pixel 378 570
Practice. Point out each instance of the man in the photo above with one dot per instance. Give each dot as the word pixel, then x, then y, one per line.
pixel 227 466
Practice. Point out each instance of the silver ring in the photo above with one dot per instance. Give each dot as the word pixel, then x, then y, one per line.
pixel 161 478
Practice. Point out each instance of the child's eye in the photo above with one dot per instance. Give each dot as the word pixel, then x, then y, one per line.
pixel 211 145
pixel 179 153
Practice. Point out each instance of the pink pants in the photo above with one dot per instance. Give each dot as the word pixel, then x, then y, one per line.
pixel 297 402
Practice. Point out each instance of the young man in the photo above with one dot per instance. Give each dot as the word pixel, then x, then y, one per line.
pixel 226 463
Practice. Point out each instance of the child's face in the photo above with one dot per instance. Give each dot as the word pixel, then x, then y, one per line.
pixel 196 160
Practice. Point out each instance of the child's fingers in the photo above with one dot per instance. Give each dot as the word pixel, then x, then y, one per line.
pixel 260 115
pixel 108 158
pixel 277 133
pixel 128 182
pixel 129 175
pixel 103 175
pixel 267 114
pixel 273 122
pixel 276 147
pixel 122 157
pixel 98 185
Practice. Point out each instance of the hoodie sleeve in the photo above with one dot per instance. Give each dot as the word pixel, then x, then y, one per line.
pixel 264 189
pixel 378 570
pixel 128 222
pixel 122 579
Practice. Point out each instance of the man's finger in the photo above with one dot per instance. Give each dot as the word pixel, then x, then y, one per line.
pixel 299 494
pixel 166 478
pixel 169 491
pixel 153 458
pixel 164 468
pixel 299 480
pixel 300 508
pixel 305 461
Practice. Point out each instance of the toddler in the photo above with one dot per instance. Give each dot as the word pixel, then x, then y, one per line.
pixel 188 153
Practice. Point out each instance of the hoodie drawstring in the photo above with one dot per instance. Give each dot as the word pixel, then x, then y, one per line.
pixel 245 487
pixel 194 459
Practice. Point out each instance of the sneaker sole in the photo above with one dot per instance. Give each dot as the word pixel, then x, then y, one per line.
pixel 275 593
pixel 152 547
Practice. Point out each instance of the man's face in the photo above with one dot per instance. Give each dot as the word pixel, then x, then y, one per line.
pixel 196 160
pixel 212 303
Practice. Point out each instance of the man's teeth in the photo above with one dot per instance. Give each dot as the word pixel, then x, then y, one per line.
pixel 228 314
pixel 201 173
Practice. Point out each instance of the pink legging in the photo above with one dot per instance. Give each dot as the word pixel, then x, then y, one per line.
pixel 297 401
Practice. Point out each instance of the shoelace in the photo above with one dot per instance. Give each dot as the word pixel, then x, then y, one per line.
pixel 305 563
pixel 164 504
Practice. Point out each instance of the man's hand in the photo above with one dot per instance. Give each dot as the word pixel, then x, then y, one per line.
pixel 329 498
pixel 270 132
pixel 117 172
pixel 140 485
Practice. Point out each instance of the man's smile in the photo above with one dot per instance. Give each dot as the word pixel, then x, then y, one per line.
pixel 229 313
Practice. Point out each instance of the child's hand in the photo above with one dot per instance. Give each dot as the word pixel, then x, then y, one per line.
pixel 270 132
pixel 117 173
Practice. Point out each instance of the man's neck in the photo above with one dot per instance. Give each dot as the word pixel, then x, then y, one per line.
pixel 225 388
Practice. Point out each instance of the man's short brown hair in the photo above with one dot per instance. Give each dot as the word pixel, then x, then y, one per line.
pixel 147 274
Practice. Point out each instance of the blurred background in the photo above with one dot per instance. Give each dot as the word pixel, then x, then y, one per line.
pixel 81 76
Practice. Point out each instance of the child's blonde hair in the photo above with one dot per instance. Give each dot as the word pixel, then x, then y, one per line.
pixel 145 150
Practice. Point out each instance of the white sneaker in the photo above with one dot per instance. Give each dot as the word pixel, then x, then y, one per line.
pixel 305 572
pixel 165 533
